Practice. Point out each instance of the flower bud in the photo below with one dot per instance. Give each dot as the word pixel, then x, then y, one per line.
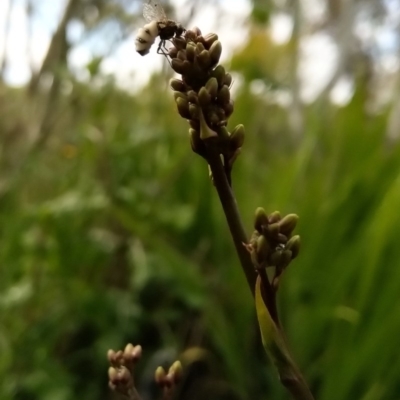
pixel 204 59
pixel 228 80
pixel 228 108
pixel 288 223
pixel 274 217
pixel 190 35
pixel 224 95
pixel 191 51
pixel 204 97
pixel 177 65
pixel 177 85
pixel 212 87
pixel 181 55
pixel 180 95
pixel 275 258
pixel 237 137
pixel 193 97
pixel 294 246
pixel 261 219
pixel 177 370
pixel 199 48
pixel 219 73
pixel 183 107
pixel 179 43
pixel 215 52
pixel 209 39
pixel 194 111
pixel 197 31
pixel 286 257
pixel 159 376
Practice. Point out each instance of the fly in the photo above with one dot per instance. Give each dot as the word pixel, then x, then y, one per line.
pixel 157 25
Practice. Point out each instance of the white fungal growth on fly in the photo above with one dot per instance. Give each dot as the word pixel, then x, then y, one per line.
pixel 157 25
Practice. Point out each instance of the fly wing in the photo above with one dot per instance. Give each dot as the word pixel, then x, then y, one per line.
pixel 153 11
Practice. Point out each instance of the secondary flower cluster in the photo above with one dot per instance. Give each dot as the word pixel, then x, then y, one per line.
pixel 272 243
pixel 202 95
pixel 121 373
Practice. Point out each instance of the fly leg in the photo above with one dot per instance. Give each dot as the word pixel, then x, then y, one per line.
pixel 163 50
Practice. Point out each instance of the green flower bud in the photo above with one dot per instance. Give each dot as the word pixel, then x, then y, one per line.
pixel 227 80
pixel 199 48
pixel 190 35
pixel 274 217
pixel 288 223
pixel 275 258
pixel 215 52
pixel 228 108
pixel 286 257
pixel 204 97
pixel 271 231
pixel 212 87
pixel 261 219
pixel 177 85
pixel 204 59
pixel 180 95
pixel 193 97
pixel 224 95
pixel 177 370
pixel 219 73
pixel 194 111
pixel 294 246
pixel 237 137
pixel 112 374
pixel 183 107
pixel 177 66
pixel 186 67
pixel 160 375
pixel 209 39
pixel 181 55
pixel 179 43
pixel 191 51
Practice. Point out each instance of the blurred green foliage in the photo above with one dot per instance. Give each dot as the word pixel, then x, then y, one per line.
pixel 110 232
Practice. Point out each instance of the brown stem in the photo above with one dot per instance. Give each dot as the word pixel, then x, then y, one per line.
pixel 232 215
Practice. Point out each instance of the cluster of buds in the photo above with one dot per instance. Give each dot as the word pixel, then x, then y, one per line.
pixel 120 373
pixel 202 95
pixel 169 381
pixel 272 244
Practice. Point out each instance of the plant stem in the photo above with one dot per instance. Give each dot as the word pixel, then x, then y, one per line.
pixel 232 215
pixel 289 374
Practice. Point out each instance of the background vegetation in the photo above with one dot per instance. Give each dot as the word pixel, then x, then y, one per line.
pixel 110 231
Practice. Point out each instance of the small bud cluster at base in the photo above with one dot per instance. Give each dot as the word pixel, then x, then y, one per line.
pixel 272 243
pixel 120 372
pixel 203 95
pixel 169 381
